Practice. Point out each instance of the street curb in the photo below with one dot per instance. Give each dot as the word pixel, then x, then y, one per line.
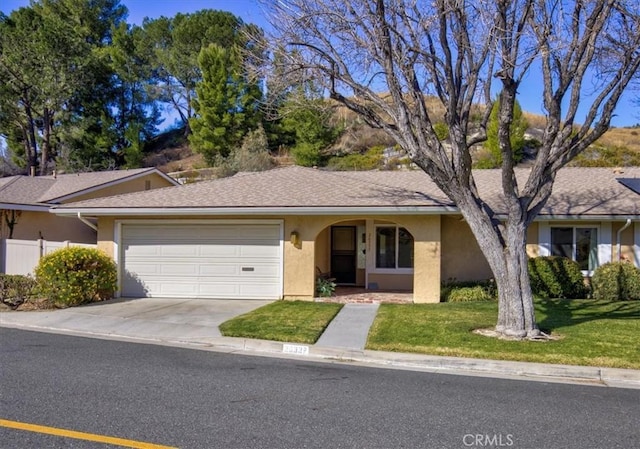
pixel 625 378
pixel 612 377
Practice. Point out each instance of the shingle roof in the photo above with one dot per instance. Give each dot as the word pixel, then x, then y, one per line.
pixel 577 191
pixel 42 190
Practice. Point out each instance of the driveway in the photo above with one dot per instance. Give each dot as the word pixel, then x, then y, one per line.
pixel 141 318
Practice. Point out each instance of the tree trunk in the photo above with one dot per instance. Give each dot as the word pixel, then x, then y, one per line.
pixel 46 141
pixel 504 246
pixel 516 314
pixel 32 147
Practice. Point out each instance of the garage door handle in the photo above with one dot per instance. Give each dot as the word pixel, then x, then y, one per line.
pixel 248 269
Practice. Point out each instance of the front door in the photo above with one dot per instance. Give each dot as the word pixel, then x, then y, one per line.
pixel 343 254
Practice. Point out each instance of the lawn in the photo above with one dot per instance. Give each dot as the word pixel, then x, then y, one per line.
pixel 291 321
pixel 597 333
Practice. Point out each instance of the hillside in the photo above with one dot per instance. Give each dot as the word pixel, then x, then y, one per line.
pixel 170 151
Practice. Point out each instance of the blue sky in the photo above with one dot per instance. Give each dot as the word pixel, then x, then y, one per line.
pixel 248 10
pixel 251 12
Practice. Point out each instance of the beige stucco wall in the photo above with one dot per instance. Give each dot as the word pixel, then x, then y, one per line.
pixel 45 225
pixel 533 249
pixel 462 258
pixel 106 230
pixel 626 243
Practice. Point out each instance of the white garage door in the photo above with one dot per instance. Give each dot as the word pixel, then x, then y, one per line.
pixel 202 260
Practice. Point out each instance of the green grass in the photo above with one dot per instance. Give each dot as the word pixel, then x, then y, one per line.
pixel 598 333
pixel 291 321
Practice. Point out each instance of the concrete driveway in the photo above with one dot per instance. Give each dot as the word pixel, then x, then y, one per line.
pixel 141 318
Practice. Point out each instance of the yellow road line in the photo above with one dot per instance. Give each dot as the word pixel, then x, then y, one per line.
pixel 80 435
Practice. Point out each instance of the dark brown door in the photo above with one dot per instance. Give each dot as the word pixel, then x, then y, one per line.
pixel 343 254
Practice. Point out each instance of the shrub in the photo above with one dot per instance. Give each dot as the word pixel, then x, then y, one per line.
pixel 442 131
pixel 468 291
pixel 325 287
pixel 307 155
pixel 370 160
pixel 556 277
pixel 72 276
pixel 616 281
pixel 15 289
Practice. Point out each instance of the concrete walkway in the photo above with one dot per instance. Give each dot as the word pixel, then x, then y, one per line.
pixel 350 328
pixel 194 324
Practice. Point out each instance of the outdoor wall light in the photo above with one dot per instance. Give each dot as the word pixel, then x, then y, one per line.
pixel 295 238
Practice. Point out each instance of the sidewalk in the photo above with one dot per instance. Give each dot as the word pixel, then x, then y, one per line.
pixel 194 324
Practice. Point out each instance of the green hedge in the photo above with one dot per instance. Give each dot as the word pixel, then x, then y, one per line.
pixel 73 276
pixel 557 277
pixel 616 281
pixel 15 289
pixel 468 291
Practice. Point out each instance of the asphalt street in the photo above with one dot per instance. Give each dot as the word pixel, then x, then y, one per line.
pixel 200 399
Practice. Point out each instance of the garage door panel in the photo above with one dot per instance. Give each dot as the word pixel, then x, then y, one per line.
pixel 253 290
pixel 216 249
pixel 142 250
pixel 219 270
pixel 144 269
pixel 202 261
pixel 179 269
pixel 172 250
pixel 259 251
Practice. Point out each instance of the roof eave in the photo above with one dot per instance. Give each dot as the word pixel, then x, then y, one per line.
pixel 26 207
pixel 225 211
pixel 587 217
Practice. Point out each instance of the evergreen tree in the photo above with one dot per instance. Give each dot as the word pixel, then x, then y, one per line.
pixel 517 130
pixel 226 107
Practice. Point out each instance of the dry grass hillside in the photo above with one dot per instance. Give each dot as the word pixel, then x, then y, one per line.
pixel 170 151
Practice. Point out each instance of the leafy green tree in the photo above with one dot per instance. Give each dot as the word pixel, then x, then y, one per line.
pixel 309 120
pixel 226 107
pixel 136 113
pixel 50 64
pixel 517 129
pixel 176 44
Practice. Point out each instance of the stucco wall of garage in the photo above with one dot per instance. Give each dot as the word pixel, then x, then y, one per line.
pixel 44 225
pixel 299 260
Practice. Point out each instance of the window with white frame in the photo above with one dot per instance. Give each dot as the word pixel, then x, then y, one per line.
pixel 394 248
pixel 576 243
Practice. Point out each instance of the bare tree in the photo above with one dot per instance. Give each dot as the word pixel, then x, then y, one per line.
pixel 382 58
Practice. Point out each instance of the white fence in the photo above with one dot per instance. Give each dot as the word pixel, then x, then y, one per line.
pixel 22 256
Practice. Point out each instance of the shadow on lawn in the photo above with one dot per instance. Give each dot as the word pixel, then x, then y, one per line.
pixel 571 312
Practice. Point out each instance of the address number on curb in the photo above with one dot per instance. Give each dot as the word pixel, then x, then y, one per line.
pixel 295 349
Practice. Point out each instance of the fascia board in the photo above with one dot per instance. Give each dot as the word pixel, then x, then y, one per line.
pixel 25 207
pixel 408 210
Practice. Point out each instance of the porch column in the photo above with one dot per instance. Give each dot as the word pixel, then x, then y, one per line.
pixel 426 259
pixel 299 259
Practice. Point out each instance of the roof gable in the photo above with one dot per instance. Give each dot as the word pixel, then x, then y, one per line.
pixel 48 190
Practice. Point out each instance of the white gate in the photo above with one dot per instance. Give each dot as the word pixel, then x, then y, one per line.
pixel 22 256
